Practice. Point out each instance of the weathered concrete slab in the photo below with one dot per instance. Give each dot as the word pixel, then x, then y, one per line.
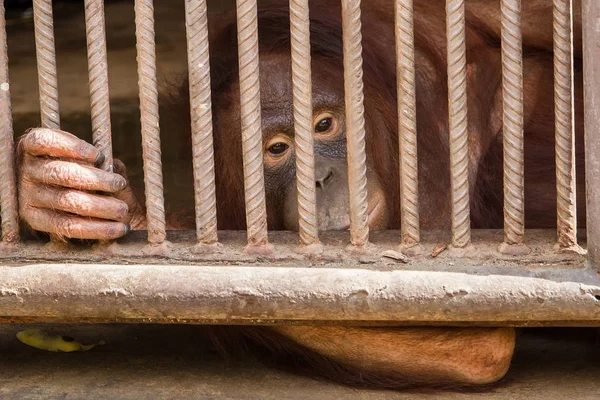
pixel 170 362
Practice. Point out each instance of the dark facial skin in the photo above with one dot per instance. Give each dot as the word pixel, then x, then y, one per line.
pixel 331 168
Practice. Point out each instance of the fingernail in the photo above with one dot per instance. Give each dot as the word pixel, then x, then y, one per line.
pixel 119 183
pixel 100 159
pixel 127 228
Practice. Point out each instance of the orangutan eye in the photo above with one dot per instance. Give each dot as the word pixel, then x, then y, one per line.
pixel 278 148
pixel 324 125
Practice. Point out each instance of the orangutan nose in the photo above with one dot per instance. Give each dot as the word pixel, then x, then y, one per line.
pixel 325 178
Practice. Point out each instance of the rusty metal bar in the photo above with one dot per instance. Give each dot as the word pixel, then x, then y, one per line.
pixel 303 122
pixel 564 111
pixel 46 63
pixel 98 77
pixel 457 101
pixel 355 122
pixel 46 66
pixel 591 89
pixel 382 256
pixel 9 209
pixel 153 179
pixel 407 123
pixel 175 293
pixel 512 121
pixel 196 23
pixel 254 181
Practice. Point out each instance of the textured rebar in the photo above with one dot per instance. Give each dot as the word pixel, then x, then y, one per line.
pixel 303 122
pixel 564 114
pixel 512 121
pixel 355 122
pixel 407 123
pixel 591 90
pixel 457 109
pixel 46 63
pixel 254 181
pixel 9 210
pixel 98 77
pixel 153 179
pixel 196 22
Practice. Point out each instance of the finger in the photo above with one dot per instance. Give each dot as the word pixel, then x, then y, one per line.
pixel 72 226
pixel 57 143
pixel 71 175
pixel 76 202
pixel 119 168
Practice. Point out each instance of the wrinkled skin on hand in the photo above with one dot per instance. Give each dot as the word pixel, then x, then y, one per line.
pixel 62 192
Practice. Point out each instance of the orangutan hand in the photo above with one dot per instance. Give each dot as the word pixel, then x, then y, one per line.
pixel 62 192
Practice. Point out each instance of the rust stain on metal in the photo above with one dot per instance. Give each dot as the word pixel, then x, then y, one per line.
pixel 153 178
pixel 9 208
pixel 457 101
pixel 303 122
pixel 201 117
pixel 355 122
pixel 407 123
pixel 254 181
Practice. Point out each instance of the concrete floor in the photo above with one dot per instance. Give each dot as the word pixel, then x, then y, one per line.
pixel 168 362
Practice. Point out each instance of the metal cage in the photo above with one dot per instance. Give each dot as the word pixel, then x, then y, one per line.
pixel 509 277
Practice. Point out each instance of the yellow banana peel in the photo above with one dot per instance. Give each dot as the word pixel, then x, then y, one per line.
pixel 56 343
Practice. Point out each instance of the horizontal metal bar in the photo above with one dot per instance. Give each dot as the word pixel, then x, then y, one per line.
pixel 251 294
pixel 543 261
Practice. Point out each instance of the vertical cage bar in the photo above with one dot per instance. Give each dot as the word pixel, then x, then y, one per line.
pixel 512 122
pixel 407 123
pixel 46 68
pixel 564 115
pixel 196 22
pixel 254 181
pixel 153 179
pixel 355 122
pixel 591 89
pixel 46 63
pixel 98 78
pixel 457 100
pixel 303 122
pixel 8 189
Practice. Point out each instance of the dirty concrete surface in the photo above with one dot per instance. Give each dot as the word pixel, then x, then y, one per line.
pixel 163 362
pixel 173 362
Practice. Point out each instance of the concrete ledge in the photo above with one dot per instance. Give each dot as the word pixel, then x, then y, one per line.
pixel 251 294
